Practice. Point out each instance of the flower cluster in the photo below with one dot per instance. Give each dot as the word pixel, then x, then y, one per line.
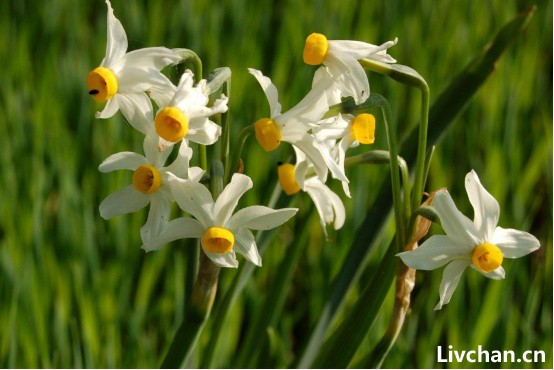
pixel 320 136
pixel 320 142
pixel 129 82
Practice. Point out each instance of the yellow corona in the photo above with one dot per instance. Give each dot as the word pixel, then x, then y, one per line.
pixel 102 84
pixel 171 124
pixel 286 178
pixel 218 240
pixel 268 134
pixel 363 128
pixel 315 49
pixel 487 257
pixel 147 179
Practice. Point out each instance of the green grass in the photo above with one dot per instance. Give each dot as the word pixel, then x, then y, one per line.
pixel 76 291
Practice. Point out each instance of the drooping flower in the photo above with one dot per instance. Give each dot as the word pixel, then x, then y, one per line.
pixel 149 184
pixel 221 232
pixel 294 178
pixel 479 244
pixel 293 126
pixel 122 78
pixel 340 59
pixel 184 114
pixel 350 131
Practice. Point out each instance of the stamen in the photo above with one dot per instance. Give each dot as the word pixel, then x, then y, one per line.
pixel 102 84
pixel 218 240
pixel 315 49
pixel 487 257
pixel 147 179
pixel 286 178
pixel 268 134
pixel 363 128
pixel 171 124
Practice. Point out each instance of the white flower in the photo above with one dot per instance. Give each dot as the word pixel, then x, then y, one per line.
pixel 149 184
pixel 293 126
pixel 122 79
pixel 295 178
pixel 221 232
pixel 351 131
pixel 340 58
pixel 184 114
pixel 479 244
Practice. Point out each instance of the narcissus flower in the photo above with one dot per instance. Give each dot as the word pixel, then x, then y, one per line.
pixel 184 114
pixel 479 244
pixel 149 186
pixel 350 130
pixel 122 78
pixel 328 204
pixel 221 232
pixel 340 58
pixel 293 126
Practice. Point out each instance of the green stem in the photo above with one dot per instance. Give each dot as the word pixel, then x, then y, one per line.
pixel 238 151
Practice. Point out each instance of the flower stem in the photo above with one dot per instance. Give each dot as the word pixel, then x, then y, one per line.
pixel 238 151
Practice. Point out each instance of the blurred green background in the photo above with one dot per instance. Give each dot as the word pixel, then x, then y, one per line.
pixel 76 291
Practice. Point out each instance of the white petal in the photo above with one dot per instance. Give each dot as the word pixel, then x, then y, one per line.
pixel 245 244
pixel 155 58
pixel 457 226
pixel 194 109
pixel 514 243
pixel 194 198
pixel 203 131
pixel 126 200
pixel 270 91
pixel 349 76
pixel 151 151
pixel 486 208
pixel 180 166
pixel 179 228
pixel 328 204
pixel 305 143
pixel 116 45
pixel 450 278
pixel 162 92
pixel 333 128
pixel 110 109
pixel 185 90
pixel 497 274
pixel 158 216
pixel 333 93
pixel 137 109
pixel 260 218
pixel 122 161
pixel 343 146
pixel 229 198
pixel 359 50
pixel 131 79
pixel 437 251
pixel 312 107
pixel 196 174
pixel 228 259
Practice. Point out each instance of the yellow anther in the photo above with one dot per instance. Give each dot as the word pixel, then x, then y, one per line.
pixel 363 128
pixel 147 179
pixel 487 257
pixel 268 134
pixel 102 84
pixel 218 240
pixel 287 179
pixel 315 49
pixel 171 124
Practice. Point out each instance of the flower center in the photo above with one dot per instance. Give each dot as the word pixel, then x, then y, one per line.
pixel 171 124
pixel 147 179
pixel 487 257
pixel 286 178
pixel 218 240
pixel 315 49
pixel 102 84
pixel 268 134
pixel 363 128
